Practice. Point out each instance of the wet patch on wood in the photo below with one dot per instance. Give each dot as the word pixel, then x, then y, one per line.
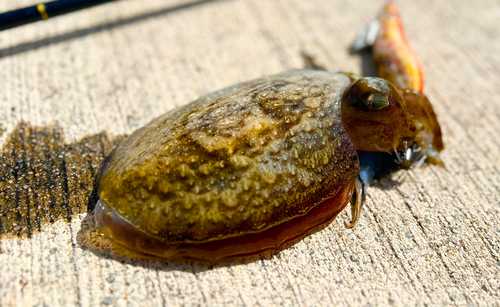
pixel 44 180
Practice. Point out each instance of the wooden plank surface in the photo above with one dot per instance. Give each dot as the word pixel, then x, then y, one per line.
pixel 72 86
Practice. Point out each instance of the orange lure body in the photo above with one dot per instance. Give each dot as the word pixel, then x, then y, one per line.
pixel 394 58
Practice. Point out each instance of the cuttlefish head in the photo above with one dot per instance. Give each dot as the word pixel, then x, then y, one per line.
pixel 378 117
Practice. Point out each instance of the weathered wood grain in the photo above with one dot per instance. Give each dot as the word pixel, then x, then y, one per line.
pixel 430 237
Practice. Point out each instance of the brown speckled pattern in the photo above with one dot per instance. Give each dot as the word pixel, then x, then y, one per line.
pixel 238 160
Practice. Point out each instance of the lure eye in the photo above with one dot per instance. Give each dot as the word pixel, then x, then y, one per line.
pixel 377 101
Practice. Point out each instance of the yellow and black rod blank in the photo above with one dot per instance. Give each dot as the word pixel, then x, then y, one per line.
pixel 44 11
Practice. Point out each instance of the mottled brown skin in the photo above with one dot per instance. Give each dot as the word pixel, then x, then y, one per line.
pixel 213 251
pixel 251 167
pixel 235 162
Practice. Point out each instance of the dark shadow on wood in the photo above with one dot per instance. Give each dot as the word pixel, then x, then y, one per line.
pixel 96 29
pixel 311 62
pixel 367 66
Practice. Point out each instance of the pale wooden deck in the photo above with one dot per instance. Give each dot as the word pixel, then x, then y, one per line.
pixel 434 239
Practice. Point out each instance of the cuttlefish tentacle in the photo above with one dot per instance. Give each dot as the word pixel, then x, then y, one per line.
pixel 357 201
pixel 371 165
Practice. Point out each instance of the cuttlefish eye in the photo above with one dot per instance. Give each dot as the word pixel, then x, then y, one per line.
pixel 369 94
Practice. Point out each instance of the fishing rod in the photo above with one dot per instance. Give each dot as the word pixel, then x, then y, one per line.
pixel 44 11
